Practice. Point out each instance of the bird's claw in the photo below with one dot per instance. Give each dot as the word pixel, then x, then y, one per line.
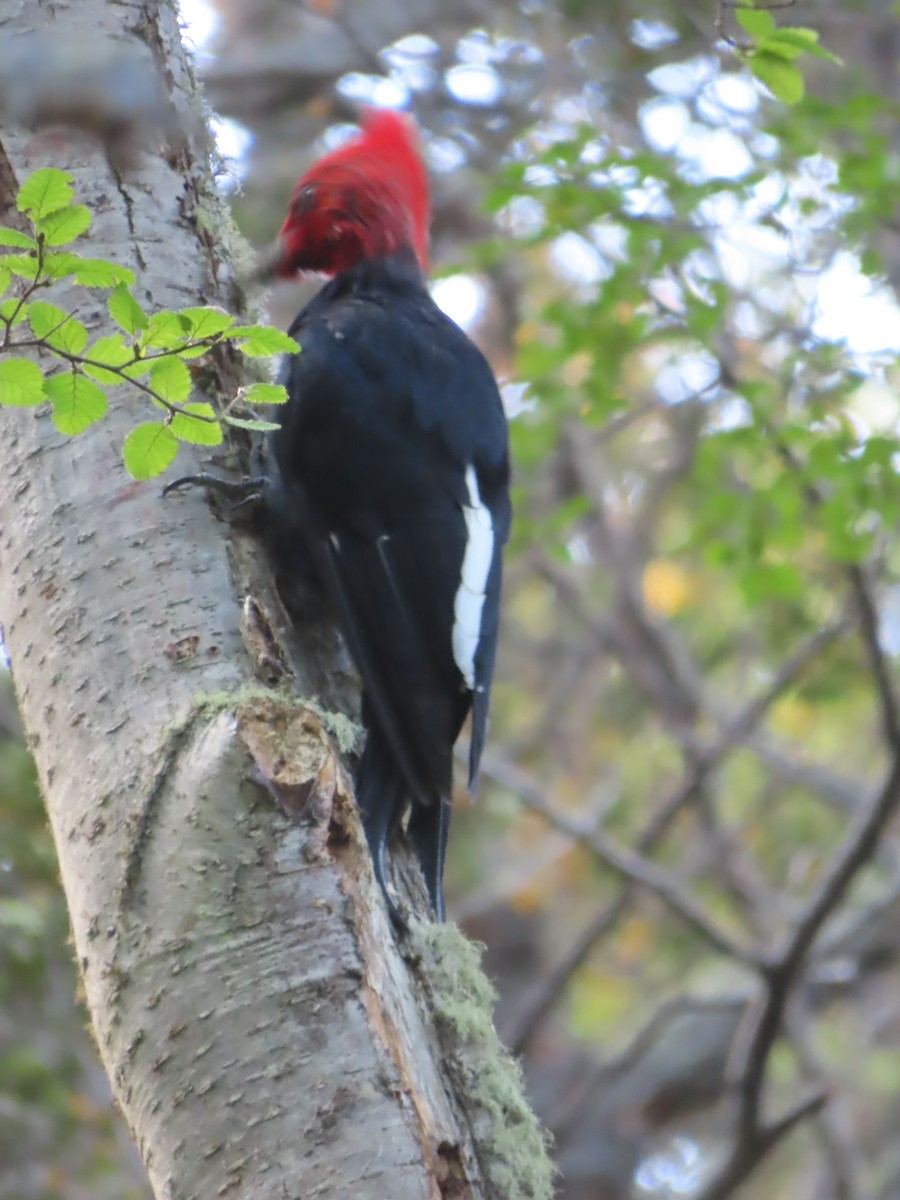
pixel 244 491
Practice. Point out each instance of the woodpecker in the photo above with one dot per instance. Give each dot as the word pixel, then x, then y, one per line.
pixel 390 471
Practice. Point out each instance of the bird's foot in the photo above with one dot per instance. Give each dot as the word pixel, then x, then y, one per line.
pixel 246 493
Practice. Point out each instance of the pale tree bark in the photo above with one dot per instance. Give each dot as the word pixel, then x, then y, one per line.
pixel 265 1033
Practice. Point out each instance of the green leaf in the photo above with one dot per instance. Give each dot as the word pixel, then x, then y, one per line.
pixel 783 49
pixel 171 379
pixel 194 351
pixel 165 331
pixel 262 341
pixel 5 278
pixel 97 272
pixel 782 78
pixel 45 191
pixel 757 23
pixel 111 350
pixel 771 581
pixel 75 402
pixel 12 237
pixel 264 393
pixel 23 265
pixel 125 310
pixel 207 432
pixel 21 383
pixel 253 424
pixel 59 329
pixel 65 225
pixel 59 263
pixel 206 322
pixel 13 311
pixel 796 40
pixel 134 370
pixel 149 449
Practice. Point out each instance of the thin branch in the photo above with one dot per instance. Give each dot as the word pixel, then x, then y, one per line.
pixel 703 764
pixel 869 628
pixel 857 849
pixel 838 1150
pixel 81 360
pixel 632 867
pixel 742 1165
pixel 770 1136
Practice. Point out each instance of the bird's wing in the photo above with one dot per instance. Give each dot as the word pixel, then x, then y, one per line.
pixel 395 594
pixel 396 438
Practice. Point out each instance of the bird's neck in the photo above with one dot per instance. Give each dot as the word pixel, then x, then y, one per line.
pixel 398 271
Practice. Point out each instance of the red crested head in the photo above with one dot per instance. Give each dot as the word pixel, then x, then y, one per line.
pixel 365 200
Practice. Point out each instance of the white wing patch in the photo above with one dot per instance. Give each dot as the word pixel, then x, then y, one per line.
pixel 470 595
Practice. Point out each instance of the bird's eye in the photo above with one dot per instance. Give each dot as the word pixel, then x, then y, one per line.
pixel 304 201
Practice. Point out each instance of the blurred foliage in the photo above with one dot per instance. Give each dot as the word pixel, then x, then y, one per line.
pixel 702 447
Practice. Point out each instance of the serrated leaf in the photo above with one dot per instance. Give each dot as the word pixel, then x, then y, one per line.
pixel 135 370
pixel 252 423
pixel 207 432
pixel 45 318
pixel 165 331
pixel 59 329
pixel 171 379
pixel 89 272
pixel 25 266
pixel 262 341
pixel 125 310
pixel 12 237
pixel 59 263
pixel 111 350
pixel 45 191
pixel 207 321
pixel 97 272
pixel 782 78
pixel 65 225
pixel 21 383
pixel 757 23
pixel 264 393
pixel 194 351
pixel 149 449
pixel 13 311
pixel 75 402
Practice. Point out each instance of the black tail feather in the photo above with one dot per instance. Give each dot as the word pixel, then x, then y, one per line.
pixel 427 830
pixel 382 794
pixel 380 791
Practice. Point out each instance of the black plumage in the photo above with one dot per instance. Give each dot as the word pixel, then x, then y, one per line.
pixel 390 467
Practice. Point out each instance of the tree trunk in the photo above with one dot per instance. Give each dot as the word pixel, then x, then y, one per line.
pixel 265 1034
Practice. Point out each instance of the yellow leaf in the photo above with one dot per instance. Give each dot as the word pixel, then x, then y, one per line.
pixel 577 368
pixel 794 717
pixel 527 332
pixel 668 588
pixel 636 941
pixel 598 1001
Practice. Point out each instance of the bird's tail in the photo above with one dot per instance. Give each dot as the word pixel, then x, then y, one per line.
pixel 427 830
pixel 382 793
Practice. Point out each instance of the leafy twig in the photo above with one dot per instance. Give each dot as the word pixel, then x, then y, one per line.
pixel 157 344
